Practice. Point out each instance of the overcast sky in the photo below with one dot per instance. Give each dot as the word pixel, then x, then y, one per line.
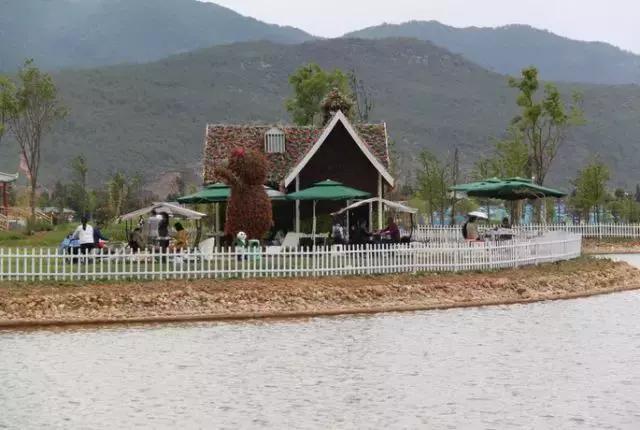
pixel 613 21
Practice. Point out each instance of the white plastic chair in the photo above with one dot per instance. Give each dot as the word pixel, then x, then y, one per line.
pixel 207 248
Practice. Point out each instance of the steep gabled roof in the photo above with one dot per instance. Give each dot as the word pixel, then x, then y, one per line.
pixel 339 117
pixel 301 144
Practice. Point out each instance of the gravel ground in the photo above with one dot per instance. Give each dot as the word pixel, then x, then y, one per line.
pixel 208 299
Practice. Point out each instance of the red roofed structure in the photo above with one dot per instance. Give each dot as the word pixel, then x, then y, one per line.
pixel 355 154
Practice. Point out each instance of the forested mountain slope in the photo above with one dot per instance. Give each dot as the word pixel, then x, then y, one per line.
pixel 150 118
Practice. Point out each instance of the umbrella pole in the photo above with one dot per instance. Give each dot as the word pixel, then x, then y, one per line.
pixel 313 233
pixel 217 225
pixel 348 224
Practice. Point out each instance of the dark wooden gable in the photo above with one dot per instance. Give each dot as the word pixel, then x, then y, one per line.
pixel 340 159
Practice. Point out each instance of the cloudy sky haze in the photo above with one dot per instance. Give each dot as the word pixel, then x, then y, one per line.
pixel 613 21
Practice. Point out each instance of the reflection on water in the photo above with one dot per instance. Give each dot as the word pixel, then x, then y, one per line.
pixel 570 364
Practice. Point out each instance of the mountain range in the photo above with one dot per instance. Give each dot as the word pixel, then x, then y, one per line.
pixel 511 48
pixel 86 33
pixel 150 117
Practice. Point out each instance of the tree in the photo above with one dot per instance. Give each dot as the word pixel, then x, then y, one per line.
pixel 624 207
pixel 591 188
pixel 60 196
pixel 117 190
pixel 543 121
pixel 455 177
pixel 362 97
pixel 178 188
pixel 78 189
pixel 6 95
pixel 433 184
pixel 311 84
pixel 33 108
pixel 510 158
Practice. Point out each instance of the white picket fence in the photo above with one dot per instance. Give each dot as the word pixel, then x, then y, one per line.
pixel 52 265
pixel 630 231
pixel 599 231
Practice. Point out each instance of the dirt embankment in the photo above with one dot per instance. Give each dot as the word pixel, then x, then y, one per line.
pixel 610 246
pixel 22 305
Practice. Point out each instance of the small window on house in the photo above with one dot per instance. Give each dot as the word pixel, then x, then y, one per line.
pixel 274 141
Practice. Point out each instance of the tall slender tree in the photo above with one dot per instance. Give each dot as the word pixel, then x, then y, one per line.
pixel 362 97
pixel 433 184
pixel 80 185
pixel 544 121
pixel 455 177
pixel 34 107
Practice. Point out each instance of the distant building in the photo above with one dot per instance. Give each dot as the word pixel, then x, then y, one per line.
pixel 355 154
pixel 6 180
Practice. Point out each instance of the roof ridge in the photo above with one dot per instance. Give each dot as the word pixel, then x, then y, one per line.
pixel 311 127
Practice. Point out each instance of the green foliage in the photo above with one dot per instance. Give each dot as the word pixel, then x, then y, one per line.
pixel 32 108
pixel 311 84
pixel 624 207
pixel 150 118
pixel 77 191
pixel 544 121
pixel 118 190
pixel 7 91
pixel 433 184
pixel 38 226
pixel 510 159
pixel 323 224
pixel 591 188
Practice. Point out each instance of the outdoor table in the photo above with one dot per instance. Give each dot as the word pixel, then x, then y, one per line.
pixel 500 234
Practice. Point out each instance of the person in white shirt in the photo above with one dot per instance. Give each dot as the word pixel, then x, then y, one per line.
pixel 152 224
pixel 84 235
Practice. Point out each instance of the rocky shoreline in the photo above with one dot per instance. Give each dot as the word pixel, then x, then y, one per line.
pixel 23 305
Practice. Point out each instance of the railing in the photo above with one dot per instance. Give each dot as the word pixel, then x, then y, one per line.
pixel 630 231
pixel 25 213
pixel 54 265
pixel 453 233
pixel 4 222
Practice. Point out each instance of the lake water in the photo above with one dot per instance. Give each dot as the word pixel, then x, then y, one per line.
pixel 556 365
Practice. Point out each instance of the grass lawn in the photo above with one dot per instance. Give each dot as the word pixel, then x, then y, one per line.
pixel 51 239
pixel 11 239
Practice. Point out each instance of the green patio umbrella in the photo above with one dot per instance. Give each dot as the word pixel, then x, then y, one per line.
pixel 219 192
pixel 213 193
pixel 327 190
pixel 507 189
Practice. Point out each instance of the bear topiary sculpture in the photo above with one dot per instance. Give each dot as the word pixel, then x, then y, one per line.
pixel 249 207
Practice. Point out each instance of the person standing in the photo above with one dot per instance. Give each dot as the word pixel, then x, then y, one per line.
pixel 98 237
pixel 135 240
pixel 153 223
pixel 84 235
pixel 470 229
pixel 163 232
